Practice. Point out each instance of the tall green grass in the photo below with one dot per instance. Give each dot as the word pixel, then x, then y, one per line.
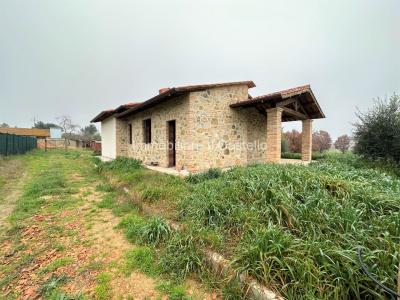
pixel 291 226
pixel 298 227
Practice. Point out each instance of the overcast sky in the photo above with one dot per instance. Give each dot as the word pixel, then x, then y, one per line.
pixel 78 57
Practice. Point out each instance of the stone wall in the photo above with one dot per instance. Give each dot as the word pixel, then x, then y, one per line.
pixel 121 137
pixel 209 134
pixel 217 129
pixel 256 136
pixel 157 151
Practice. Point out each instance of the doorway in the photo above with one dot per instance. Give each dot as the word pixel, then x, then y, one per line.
pixel 171 143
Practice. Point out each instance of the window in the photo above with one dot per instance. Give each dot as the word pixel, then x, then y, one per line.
pixel 147 131
pixel 130 133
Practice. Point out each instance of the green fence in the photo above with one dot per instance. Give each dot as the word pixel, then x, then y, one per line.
pixel 16 144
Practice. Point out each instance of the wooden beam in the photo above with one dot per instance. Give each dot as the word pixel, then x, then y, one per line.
pixel 286 102
pixel 294 113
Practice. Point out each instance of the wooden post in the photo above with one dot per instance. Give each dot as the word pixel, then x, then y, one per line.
pixel 45 144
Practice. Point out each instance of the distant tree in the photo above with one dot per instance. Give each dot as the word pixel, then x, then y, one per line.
pixel 97 136
pixel 90 129
pixel 321 141
pixel 284 145
pixel 88 133
pixel 293 139
pixel 377 131
pixel 67 126
pixel 343 143
pixel 42 125
pixel 4 125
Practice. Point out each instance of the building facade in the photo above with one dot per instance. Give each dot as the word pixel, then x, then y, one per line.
pixel 195 128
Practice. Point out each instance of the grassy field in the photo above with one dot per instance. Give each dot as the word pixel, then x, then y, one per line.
pixel 87 229
pixel 59 240
pixel 294 228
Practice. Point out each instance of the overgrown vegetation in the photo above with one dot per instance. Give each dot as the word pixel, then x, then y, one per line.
pixel 295 155
pixel 200 177
pixel 294 226
pixel 377 131
pixel 299 226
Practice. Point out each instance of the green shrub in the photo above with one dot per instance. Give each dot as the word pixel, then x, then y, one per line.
pixel 121 163
pixel 293 155
pixel 152 193
pixel 181 256
pixel 133 226
pixel 200 177
pixel 284 146
pixel 138 230
pixel 155 231
pixel 377 132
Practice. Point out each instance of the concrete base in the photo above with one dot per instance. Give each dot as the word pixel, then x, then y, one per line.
pixel 293 161
pixel 104 159
pixel 169 171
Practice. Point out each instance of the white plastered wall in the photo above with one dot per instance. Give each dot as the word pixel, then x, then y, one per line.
pixel 108 138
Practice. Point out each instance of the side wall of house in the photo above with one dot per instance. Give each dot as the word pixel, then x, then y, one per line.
pixel 256 135
pixel 108 138
pixel 219 131
pixel 209 134
pixel 157 151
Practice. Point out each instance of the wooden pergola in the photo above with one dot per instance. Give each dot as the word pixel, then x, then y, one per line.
pixel 297 104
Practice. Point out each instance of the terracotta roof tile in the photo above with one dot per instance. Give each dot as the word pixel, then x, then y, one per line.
pixel 310 102
pixel 168 93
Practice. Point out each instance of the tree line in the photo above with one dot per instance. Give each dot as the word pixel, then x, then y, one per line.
pixel 321 141
pixel 376 133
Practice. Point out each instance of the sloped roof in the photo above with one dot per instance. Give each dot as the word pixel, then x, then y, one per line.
pixel 303 94
pixel 42 133
pixel 169 93
pixel 109 112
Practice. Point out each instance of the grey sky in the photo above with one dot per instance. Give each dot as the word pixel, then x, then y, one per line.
pixel 80 57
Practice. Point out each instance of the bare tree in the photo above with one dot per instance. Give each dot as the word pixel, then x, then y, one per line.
pixel 4 125
pixel 68 128
pixel 343 143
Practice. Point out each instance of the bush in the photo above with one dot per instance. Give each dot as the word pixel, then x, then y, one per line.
pixel 156 231
pixel 315 155
pixel 377 132
pixel 124 164
pixel 284 146
pixel 181 256
pixel 200 177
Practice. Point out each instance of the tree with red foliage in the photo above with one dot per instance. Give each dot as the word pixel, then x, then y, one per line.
pixel 343 143
pixel 321 141
pixel 293 139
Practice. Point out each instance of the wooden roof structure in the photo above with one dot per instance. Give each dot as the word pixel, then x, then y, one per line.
pixel 298 103
pixel 36 132
pixel 168 93
pixel 109 112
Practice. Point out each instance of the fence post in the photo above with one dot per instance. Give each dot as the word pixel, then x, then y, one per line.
pixel 6 144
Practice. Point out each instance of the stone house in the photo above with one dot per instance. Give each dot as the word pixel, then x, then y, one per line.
pixel 198 127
